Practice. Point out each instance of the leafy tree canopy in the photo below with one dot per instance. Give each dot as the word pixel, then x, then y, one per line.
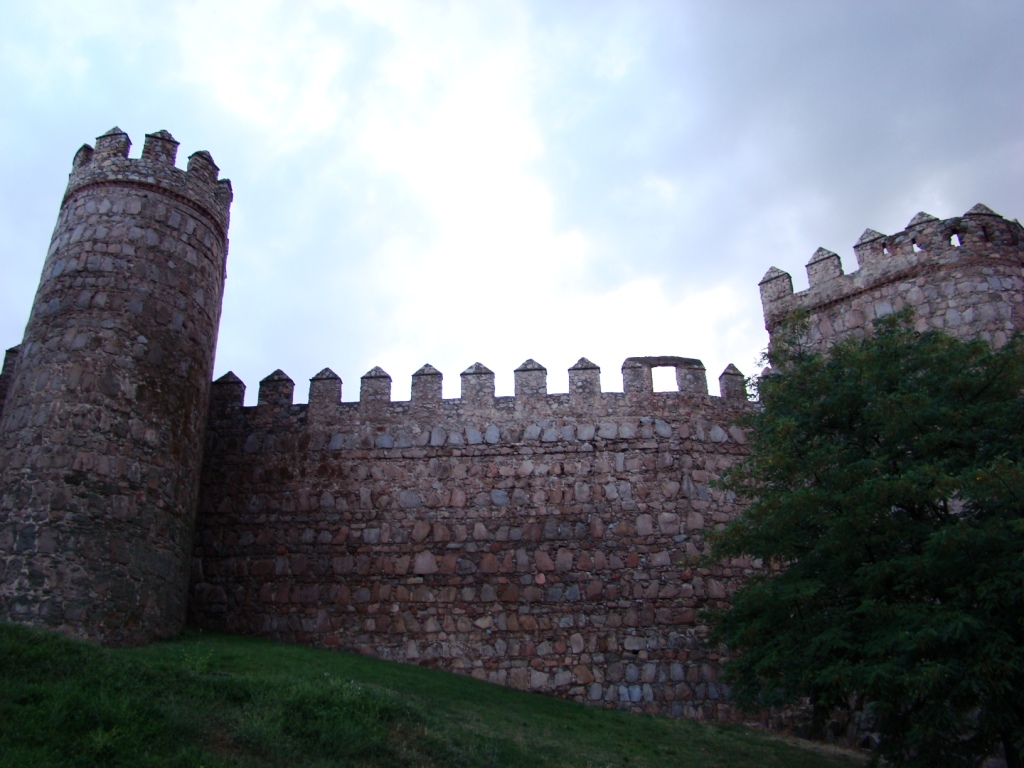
pixel 886 489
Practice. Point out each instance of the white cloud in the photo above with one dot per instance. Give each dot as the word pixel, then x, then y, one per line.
pixel 448 114
pixel 459 181
pixel 275 69
pixel 53 47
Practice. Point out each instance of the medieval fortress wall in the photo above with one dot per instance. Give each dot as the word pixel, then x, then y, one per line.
pixel 544 541
pixel 541 541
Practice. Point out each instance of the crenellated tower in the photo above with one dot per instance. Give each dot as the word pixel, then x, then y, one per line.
pixel 963 275
pixel 102 426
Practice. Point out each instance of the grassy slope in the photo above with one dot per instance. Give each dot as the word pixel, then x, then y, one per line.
pixel 216 700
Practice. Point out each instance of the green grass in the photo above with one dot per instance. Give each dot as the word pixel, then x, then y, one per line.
pixel 219 700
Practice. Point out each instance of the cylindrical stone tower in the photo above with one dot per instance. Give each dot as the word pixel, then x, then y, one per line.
pixel 102 428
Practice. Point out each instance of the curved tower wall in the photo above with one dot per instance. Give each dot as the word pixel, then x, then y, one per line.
pixel 963 275
pixel 102 428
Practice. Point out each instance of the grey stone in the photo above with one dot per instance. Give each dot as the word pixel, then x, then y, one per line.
pixel 438 436
pixel 409 499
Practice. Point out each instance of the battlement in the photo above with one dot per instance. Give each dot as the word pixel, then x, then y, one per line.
pixel 276 391
pixel 199 184
pixel 981 241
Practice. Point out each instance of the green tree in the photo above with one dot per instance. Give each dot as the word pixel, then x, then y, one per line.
pixel 886 490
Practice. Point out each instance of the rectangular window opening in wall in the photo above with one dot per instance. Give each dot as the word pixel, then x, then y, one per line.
pixel 955 241
pixel 664 378
pixel 917 248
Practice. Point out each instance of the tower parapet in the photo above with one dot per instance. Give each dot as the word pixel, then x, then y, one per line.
pixel 962 275
pixel 102 430
pixel 199 186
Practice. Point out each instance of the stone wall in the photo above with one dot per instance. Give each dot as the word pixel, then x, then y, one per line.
pixel 550 542
pixel 961 275
pixel 546 542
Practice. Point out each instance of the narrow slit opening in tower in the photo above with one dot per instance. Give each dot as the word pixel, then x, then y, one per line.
pixel 955 240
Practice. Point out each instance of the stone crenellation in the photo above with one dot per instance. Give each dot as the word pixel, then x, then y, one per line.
pixel 959 275
pixel 478 384
pixel 547 541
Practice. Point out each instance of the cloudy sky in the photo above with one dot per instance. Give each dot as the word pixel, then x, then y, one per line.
pixel 496 180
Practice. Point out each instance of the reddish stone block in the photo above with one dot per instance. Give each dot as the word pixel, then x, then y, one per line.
pixel 543 561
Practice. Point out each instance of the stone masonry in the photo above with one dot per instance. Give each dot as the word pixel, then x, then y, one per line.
pixel 961 275
pixel 106 398
pixel 549 542
pixel 544 541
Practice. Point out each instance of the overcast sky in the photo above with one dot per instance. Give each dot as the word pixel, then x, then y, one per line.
pixel 491 180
